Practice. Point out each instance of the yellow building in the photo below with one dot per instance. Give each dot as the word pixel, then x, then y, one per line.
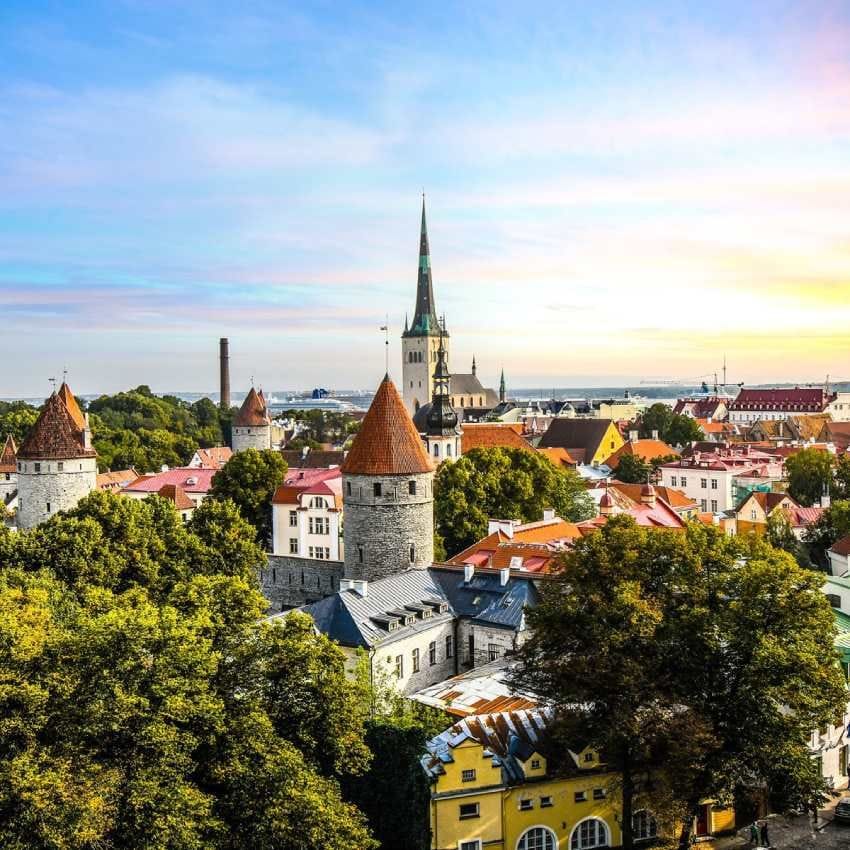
pixel 492 789
pixel 588 441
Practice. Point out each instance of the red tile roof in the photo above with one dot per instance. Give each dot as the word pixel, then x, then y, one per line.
pixel 116 480
pixel 559 456
pixel 493 436
pixel 191 480
pixel 175 493
pixel 841 546
pixel 387 442
pixel 8 455
pixel 646 450
pixel 253 413
pixel 674 498
pixel 71 403
pixel 798 398
pixel 55 435
pixel 319 482
pixel 214 457
pixel 700 408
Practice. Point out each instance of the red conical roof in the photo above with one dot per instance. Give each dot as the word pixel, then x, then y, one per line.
pixel 387 442
pixel 8 455
pixel 71 403
pixel 253 413
pixel 55 435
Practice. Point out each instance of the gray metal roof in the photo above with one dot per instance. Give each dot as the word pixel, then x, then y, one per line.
pixel 347 617
pixel 485 599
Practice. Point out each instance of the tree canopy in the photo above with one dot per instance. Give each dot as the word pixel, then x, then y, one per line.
pixel 503 483
pixel 249 480
pixel 809 474
pixel 146 704
pixel 675 429
pixel 699 665
pixel 16 418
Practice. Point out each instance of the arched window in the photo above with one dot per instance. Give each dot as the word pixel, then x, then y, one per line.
pixel 644 826
pixel 537 838
pixel 448 449
pixel 436 449
pixel 588 834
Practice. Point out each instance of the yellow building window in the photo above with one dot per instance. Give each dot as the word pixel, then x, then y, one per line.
pixel 468 810
pixel 468 775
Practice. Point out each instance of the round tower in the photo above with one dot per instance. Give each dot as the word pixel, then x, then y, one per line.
pixel 57 465
pixel 387 493
pixel 252 428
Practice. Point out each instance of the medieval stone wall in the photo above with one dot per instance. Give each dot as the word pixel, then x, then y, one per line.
pixel 289 582
pixel 52 489
pixel 391 531
pixel 259 438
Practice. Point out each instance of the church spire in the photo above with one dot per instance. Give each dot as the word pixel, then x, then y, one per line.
pixel 425 318
pixel 474 367
pixel 502 392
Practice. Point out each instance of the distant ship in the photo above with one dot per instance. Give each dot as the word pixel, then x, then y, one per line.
pixel 307 403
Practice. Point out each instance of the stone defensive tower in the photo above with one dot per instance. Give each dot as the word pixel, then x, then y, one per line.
pixel 57 465
pixel 252 428
pixel 420 341
pixel 387 493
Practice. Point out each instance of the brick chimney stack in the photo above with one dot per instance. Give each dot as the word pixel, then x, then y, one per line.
pixel 224 373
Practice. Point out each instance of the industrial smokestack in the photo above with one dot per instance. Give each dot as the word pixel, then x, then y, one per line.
pixel 224 366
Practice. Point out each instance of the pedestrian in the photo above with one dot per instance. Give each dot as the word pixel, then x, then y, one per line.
pixel 754 834
pixel 765 840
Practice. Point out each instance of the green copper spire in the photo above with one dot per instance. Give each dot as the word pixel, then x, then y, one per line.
pixel 502 387
pixel 425 318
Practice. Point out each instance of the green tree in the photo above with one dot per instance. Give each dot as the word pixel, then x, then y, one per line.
pixel 840 486
pixel 249 480
pixel 633 469
pixel 809 473
pixel 676 429
pixel 831 525
pixel 694 661
pixel 142 700
pixel 506 483
pixel 16 418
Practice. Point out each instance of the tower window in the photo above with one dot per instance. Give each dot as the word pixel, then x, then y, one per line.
pixel 412 552
pixel 411 488
pixel 48 507
pixel 449 450
pixel 60 466
pixel 360 554
pixel 436 449
pixel 38 467
pixel 348 487
pixel 376 489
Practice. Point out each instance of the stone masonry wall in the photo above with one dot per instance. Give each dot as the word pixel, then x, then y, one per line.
pixel 7 485
pixel 289 582
pixel 252 438
pixel 379 530
pixel 61 490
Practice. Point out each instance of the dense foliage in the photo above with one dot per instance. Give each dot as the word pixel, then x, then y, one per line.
pixel 144 703
pixel 633 469
pixel 16 418
pixel 832 525
pixel 675 429
pixel 809 473
pixel 249 480
pixel 140 430
pixel 321 426
pixel 503 483
pixel 699 665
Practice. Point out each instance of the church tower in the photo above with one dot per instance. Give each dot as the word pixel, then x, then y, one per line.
pixel 387 493
pixel 420 341
pixel 442 433
pixel 57 464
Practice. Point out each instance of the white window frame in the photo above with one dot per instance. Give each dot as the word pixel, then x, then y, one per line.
pixel 577 833
pixel 520 844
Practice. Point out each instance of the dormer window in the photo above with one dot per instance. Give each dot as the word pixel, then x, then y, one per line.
pixel 535 764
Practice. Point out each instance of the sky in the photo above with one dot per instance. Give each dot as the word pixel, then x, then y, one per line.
pixel 616 191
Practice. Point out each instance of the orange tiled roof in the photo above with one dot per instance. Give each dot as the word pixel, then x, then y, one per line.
pixel 215 457
pixel 71 403
pixel 55 435
pixel 646 450
pixel 559 456
pixel 175 493
pixel 116 479
pixel 8 455
pixel 253 413
pixel 493 436
pixel 387 442
pixel 674 498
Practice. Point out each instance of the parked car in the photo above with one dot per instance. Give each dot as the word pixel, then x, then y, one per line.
pixel 842 810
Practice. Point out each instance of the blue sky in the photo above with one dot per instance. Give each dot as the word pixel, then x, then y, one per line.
pixel 615 190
